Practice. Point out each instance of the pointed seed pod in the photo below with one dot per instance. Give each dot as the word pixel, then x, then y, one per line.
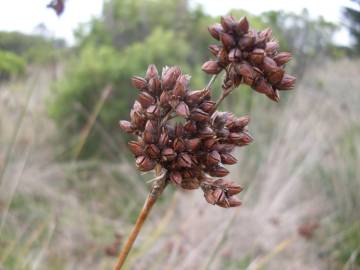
pixel 184 160
pixel 136 148
pixel 199 115
pixel 176 177
pixel 152 151
pixel 242 26
pixel 138 82
pixel 227 40
pixel 282 58
pixel 151 72
pixel 257 56
pixel 214 49
pixel 276 76
pixel 213 158
pixel 215 30
pixel 145 164
pixel 168 154
pixel 126 126
pixel 218 171
pixel 179 145
pixel 211 67
pixel 145 99
pixel 192 144
pixel 228 159
pixel 182 110
pixel 190 183
pixel 287 82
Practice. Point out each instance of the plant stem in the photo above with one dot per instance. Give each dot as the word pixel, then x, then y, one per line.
pixel 155 192
pixel 212 80
pixel 224 94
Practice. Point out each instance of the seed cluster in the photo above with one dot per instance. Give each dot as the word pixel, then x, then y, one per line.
pixel 193 150
pixel 248 57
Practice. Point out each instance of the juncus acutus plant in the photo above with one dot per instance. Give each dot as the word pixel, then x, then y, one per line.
pixel 179 132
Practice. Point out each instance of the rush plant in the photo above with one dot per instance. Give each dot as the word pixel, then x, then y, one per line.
pixel 181 135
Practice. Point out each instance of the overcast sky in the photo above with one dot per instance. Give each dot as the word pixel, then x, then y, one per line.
pixel 24 15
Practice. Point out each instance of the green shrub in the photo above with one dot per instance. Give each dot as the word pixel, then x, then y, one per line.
pixel 11 65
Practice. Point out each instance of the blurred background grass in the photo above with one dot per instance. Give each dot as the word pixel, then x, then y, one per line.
pixel 69 191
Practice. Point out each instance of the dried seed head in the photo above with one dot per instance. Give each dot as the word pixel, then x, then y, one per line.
pixel 282 58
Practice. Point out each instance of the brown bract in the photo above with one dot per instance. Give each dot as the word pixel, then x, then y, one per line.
pixel 249 57
pixel 180 130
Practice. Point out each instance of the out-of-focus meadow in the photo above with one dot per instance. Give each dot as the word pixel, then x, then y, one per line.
pixel 69 190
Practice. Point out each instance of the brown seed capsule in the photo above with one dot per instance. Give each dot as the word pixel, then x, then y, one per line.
pixel 210 144
pixel 247 72
pixel 179 130
pixel 199 115
pixel 234 55
pixel 208 106
pixel 145 164
pixel 150 132
pixel 246 41
pixel 194 97
pixel 272 47
pixel 266 34
pixel 224 147
pixel 184 160
pixel 151 72
pixel 170 76
pixel 168 154
pixel 145 99
pixel 152 112
pixel 257 56
pixel 215 30
pixel 164 139
pixel 229 202
pixel 262 86
pixel 164 98
pixel 222 57
pixel 182 109
pixel 228 159
pixel 227 22
pixel 126 126
pixel 152 151
pixel 138 120
pixel 213 158
pixel 206 132
pixel 287 82
pixel 269 65
pixel 276 76
pixel 190 126
pixel 242 27
pixel 190 183
pixel 227 40
pixel 154 86
pixel 245 139
pixel 176 177
pixel 192 144
pixel 218 171
pixel 211 67
pixel 282 58
pixel 214 49
pixel 138 82
pixel 136 148
pixel 180 86
pixel 179 145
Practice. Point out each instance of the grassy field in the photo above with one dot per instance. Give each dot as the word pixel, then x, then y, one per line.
pixel 300 205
